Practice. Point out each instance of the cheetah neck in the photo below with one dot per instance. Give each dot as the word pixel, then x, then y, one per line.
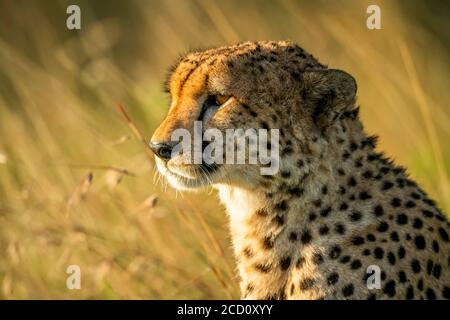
pixel 274 229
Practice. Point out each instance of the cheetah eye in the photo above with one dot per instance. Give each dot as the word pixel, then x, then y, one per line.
pixel 215 100
pixel 211 105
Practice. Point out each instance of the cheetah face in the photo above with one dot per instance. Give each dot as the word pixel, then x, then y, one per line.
pixel 201 109
pixel 250 86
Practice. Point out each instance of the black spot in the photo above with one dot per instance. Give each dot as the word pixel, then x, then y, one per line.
pixel 295 75
pixel 355 216
pixel 356 264
pixel 332 279
pixel 378 252
pixel 248 252
pixel 387 185
pixel 317 258
pixel 295 191
pixel 415 195
pixel 435 246
pixel 400 183
pixel 417 223
pixel 420 243
pixel 357 241
pixel 325 212
pixel 268 243
pixel 343 206
pixel 367 174
pixel 293 236
pixel 312 216
pixel 264 125
pixel 285 263
pixel 340 229
pixel 352 182
pixel 306 237
pixel 410 204
pixel 378 211
pixel 279 220
pixel 366 252
pixel 446 292
pixel 324 230
pixel 370 237
pixel 401 252
pixel 429 202
pixel 300 262
pixel 347 291
pixel 373 156
pixel 261 212
pixel 287 151
pixel 285 174
pixel 420 285
pixel 385 170
pixel 402 277
pixel 281 206
pixel 317 203
pixel 389 288
pixel 396 202
pixel 402 219
pixel 364 195
pixel 410 293
pixel 394 236
pixel 383 227
pixel 430 294
pixel 415 266
pixel 443 234
pixel 264 268
pixel 391 258
pixel 345 259
pixel 437 271
pixel 427 213
pixel 324 190
pixel 429 266
pixel 335 252
pixel 307 283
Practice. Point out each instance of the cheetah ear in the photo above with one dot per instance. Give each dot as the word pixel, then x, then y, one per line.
pixel 326 93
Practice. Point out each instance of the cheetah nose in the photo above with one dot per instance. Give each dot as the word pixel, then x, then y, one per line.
pixel 162 150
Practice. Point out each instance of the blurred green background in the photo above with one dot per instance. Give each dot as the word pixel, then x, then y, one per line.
pixel 77 187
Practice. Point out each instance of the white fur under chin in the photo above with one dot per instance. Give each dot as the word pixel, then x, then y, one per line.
pixel 240 204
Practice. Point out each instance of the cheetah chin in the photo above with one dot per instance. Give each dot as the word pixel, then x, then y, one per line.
pixel 191 179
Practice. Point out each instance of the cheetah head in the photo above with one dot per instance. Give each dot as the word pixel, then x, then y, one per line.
pixel 253 85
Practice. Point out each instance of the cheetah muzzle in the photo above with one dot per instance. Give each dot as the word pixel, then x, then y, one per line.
pixel 335 210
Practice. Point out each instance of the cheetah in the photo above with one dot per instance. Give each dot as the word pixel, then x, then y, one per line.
pixel 336 208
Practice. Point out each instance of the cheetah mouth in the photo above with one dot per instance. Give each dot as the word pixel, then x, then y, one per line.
pixel 197 177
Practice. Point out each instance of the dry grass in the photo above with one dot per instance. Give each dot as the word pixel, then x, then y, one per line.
pixel 76 184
